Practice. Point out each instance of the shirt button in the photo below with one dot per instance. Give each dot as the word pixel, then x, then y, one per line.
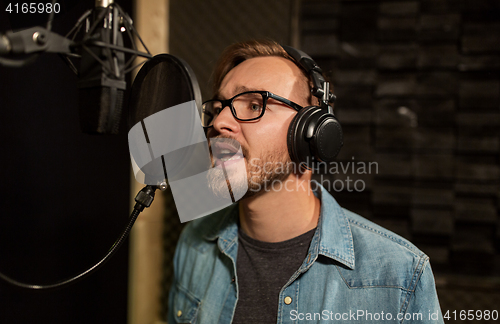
pixel 179 313
pixel 288 300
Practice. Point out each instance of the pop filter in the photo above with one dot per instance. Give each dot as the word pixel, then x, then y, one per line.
pixel 163 81
pixel 168 144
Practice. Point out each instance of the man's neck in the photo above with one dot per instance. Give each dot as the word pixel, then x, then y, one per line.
pixel 277 216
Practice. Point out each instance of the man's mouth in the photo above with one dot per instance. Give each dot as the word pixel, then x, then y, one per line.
pixel 226 155
pixel 224 152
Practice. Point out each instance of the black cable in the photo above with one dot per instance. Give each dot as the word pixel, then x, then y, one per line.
pixel 143 200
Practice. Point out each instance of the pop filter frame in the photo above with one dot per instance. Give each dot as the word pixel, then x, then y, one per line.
pixel 158 100
pixel 163 82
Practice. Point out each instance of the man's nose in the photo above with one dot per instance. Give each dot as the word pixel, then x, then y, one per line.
pixel 225 121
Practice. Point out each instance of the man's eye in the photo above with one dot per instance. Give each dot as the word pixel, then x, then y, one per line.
pixel 254 107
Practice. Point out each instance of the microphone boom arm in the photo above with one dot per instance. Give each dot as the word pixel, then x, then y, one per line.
pixel 37 40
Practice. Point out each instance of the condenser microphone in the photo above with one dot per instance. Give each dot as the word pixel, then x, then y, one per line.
pixel 102 69
pixel 101 77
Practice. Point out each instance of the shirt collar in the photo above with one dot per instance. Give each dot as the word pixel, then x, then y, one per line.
pixel 333 237
pixel 224 225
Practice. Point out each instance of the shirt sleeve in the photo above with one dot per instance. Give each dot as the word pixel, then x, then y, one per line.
pixel 424 306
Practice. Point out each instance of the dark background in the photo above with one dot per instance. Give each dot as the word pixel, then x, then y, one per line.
pixel 64 194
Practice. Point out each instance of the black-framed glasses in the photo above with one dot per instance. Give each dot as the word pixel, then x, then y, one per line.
pixel 246 106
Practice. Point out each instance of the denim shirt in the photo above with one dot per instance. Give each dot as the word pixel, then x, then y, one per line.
pixel 355 272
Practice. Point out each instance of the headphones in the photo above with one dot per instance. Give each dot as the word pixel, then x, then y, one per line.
pixel 315 134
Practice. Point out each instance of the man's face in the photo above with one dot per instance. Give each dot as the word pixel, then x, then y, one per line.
pixel 263 141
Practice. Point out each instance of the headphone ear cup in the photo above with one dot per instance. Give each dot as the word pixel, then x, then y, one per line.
pixel 314 136
pixel 298 148
pixel 328 138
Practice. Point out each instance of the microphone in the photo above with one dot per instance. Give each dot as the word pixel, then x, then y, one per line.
pixel 101 86
pixel 101 83
pixel 101 73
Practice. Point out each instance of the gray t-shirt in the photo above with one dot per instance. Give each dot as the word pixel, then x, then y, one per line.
pixel 263 269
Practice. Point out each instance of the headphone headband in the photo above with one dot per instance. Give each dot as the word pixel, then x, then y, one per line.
pixel 314 71
pixel 314 134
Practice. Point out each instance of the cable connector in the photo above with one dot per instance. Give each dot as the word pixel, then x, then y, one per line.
pixel 145 197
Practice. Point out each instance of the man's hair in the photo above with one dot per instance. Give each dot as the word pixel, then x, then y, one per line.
pixel 239 52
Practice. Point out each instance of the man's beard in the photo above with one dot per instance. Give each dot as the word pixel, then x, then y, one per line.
pixel 262 175
pixel 268 172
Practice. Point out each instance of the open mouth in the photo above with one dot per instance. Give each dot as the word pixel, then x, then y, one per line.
pixel 226 153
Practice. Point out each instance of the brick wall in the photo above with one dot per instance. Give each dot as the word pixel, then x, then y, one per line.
pixel 418 92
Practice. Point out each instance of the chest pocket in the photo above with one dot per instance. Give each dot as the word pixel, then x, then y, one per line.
pixel 185 306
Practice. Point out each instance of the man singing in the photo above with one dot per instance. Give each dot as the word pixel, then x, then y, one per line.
pixel 286 252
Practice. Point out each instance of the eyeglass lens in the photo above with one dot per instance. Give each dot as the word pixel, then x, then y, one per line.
pixel 246 106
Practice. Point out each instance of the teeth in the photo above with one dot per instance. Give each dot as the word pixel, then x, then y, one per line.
pixel 225 151
pixel 235 157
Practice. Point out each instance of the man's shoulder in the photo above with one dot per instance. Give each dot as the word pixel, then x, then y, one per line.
pixel 382 258
pixel 366 235
pixel 362 227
